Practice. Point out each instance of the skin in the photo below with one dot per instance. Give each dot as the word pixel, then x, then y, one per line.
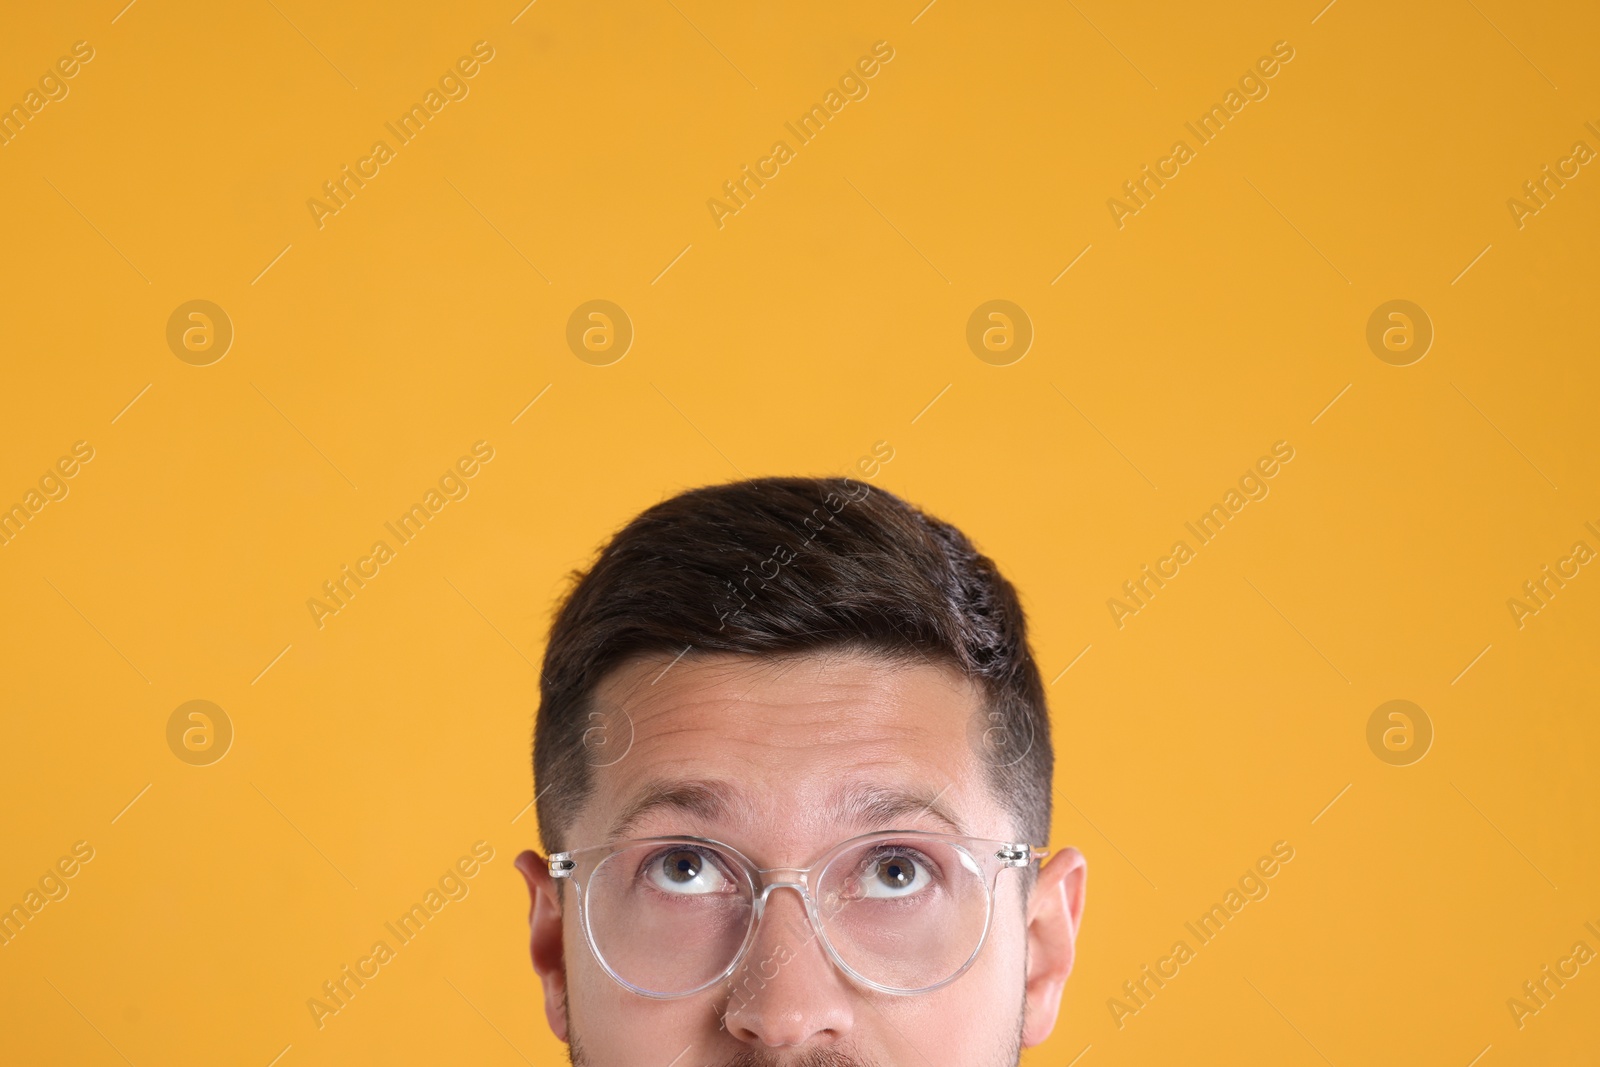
pixel 787 737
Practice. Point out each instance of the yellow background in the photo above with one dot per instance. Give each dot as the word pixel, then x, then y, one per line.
pixel 825 316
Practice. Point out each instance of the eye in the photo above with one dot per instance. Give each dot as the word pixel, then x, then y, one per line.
pixel 687 872
pixel 894 875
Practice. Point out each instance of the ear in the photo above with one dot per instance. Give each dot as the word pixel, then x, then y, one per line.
pixel 1055 907
pixel 545 938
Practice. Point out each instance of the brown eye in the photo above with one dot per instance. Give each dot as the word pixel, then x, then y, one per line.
pixel 681 866
pixel 894 872
pixel 897 872
pixel 688 871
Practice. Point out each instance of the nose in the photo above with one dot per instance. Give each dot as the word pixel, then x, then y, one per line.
pixel 788 993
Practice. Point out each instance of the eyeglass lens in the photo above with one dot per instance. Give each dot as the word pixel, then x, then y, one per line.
pixel 905 914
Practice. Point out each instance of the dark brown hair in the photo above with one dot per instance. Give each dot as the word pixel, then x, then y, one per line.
pixel 782 566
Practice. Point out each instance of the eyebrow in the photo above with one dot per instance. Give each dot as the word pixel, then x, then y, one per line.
pixel 717 801
pixel 711 801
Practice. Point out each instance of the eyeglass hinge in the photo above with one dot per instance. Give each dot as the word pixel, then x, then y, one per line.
pixel 1016 855
pixel 561 866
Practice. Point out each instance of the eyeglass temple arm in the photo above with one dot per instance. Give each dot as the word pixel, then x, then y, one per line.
pixel 1021 855
pixel 561 865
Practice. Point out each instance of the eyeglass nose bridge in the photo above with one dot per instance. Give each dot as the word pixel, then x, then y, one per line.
pixel 801 885
pixel 812 932
pixel 817 911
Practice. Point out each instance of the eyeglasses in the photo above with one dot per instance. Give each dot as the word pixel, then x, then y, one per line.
pixel 898 911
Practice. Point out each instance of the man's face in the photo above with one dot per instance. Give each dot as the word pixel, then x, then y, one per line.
pixel 793 746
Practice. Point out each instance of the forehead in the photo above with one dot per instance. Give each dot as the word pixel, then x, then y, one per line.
pixel 805 747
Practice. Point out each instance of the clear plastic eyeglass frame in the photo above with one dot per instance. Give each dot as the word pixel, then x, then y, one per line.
pixel 990 856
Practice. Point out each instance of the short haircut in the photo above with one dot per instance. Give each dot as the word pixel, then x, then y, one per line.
pixel 783 566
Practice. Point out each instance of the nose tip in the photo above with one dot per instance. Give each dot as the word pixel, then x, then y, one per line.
pixel 788 993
